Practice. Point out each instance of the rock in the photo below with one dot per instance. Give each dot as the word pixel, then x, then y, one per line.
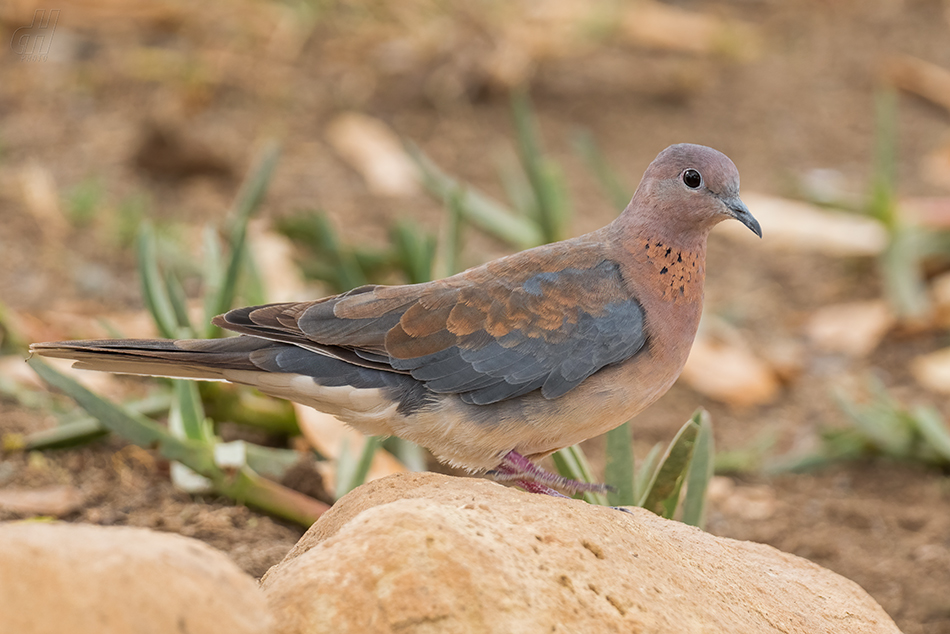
pixel 854 328
pixel 932 370
pixel 659 26
pixel 753 503
pixel 370 147
pixel 57 500
pixel 939 295
pixel 936 166
pixel 730 373
pixel 798 226
pixel 331 437
pixel 80 578
pixel 420 553
pixel 921 78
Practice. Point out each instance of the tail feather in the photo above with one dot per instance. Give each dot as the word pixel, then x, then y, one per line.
pixel 366 398
pixel 202 359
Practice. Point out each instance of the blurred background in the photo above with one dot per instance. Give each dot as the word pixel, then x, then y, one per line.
pixel 345 142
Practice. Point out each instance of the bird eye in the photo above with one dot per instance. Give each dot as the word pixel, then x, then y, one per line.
pixel 692 178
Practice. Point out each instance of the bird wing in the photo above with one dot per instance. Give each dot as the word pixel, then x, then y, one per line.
pixel 543 319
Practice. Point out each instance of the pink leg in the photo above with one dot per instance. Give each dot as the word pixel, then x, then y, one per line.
pixel 537 487
pixel 516 467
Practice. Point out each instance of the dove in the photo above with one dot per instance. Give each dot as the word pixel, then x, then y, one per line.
pixel 496 367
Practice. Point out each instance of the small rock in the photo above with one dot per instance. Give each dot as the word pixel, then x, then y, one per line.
pixel 373 149
pixel 57 500
pixel 936 166
pixel 330 436
pixel 798 226
pixel 41 199
pixel 280 274
pixel 940 296
pixel 664 27
pixel 786 357
pixel 933 370
pixel 79 578
pixel 730 373
pixel 854 328
pixel 751 503
pixel 921 78
pixel 422 552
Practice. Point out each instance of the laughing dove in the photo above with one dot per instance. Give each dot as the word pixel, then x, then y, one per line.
pixel 500 365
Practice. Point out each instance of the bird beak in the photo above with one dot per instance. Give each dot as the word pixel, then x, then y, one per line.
pixel 740 212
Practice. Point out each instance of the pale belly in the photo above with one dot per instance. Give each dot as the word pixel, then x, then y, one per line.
pixel 477 437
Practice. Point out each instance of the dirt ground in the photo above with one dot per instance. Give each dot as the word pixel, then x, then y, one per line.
pixel 163 107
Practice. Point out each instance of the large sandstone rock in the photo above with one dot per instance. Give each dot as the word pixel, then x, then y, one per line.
pixel 423 553
pixel 85 579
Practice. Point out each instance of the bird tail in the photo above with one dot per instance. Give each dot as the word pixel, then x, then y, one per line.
pixel 201 359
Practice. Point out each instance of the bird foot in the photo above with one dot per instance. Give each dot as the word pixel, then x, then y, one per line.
pixel 536 487
pixel 532 478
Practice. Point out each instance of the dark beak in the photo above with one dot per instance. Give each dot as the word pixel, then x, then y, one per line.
pixel 741 213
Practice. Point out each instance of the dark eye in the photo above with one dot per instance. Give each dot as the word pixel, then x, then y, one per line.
pixel 692 178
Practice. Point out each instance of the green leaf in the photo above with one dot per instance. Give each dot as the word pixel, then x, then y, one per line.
pixel 366 460
pixel 84 200
pixel 619 472
pixel 78 432
pixel 271 462
pixel 345 467
pixel 837 445
pixel 252 290
pixel 542 173
pixel 227 291
pixel 254 186
pixel 212 278
pixel 586 147
pixel 902 270
pixel 241 484
pixel 571 462
pixel 701 470
pixel 248 200
pixel 749 458
pixel 415 251
pixel 646 472
pixel 480 210
pixel 179 302
pixel 329 260
pixel 932 427
pixel 249 488
pixel 154 290
pixel 224 401
pixel 352 473
pixel 517 188
pixel 449 248
pixel 130 425
pixel 10 338
pixel 187 418
pixel 663 491
pixel 74 430
pixel 882 423
pixel 408 453
pixel 883 202
pixel 900 263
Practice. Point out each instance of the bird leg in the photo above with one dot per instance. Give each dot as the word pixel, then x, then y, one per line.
pixel 505 474
pixel 532 478
pixel 536 487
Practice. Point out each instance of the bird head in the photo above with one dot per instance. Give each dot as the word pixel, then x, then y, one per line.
pixel 688 189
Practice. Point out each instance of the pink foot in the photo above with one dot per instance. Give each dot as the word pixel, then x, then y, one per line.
pixel 534 479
